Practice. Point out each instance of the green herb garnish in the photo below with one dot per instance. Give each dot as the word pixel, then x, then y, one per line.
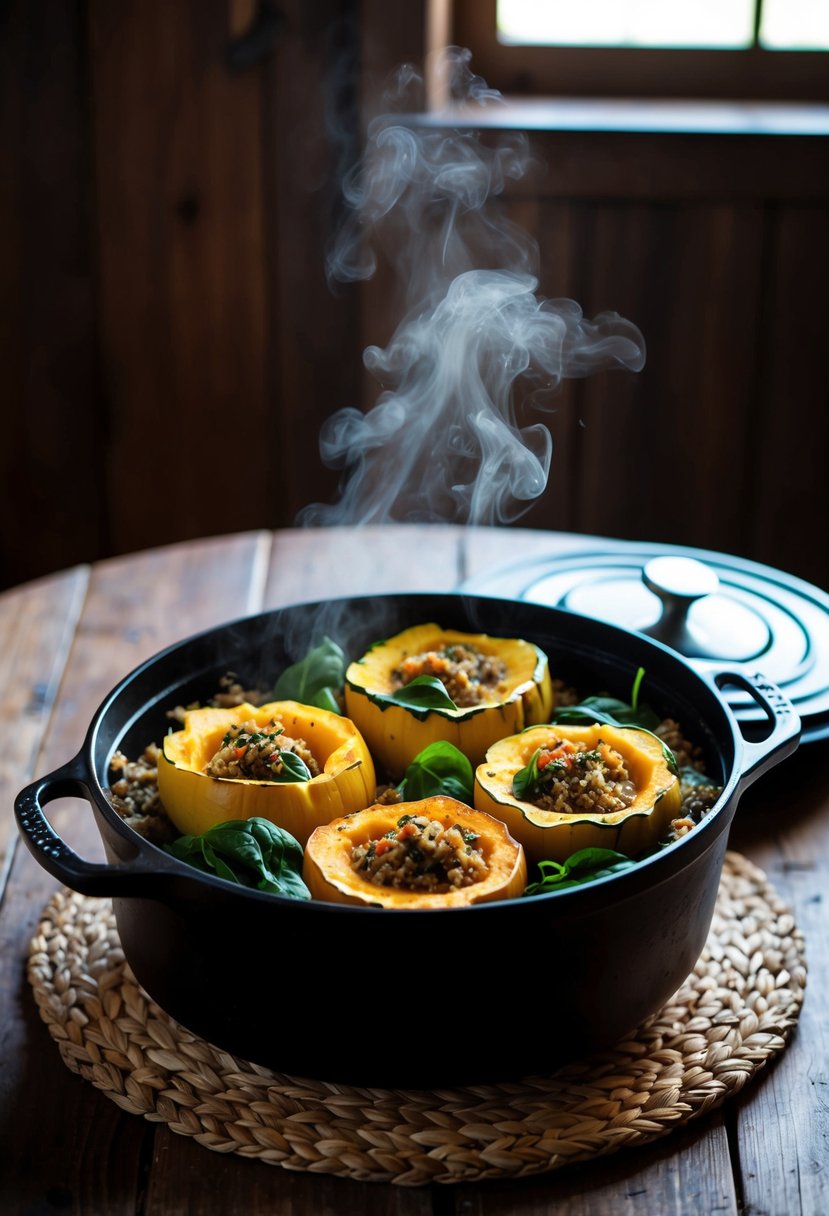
pixel 315 679
pixel 423 692
pixel 249 852
pixel 439 769
pixel 578 869
pixel 526 779
pixel 294 768
pixel 634 692
pixel 612 712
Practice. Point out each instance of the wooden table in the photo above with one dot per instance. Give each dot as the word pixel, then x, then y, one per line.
pixel 66 639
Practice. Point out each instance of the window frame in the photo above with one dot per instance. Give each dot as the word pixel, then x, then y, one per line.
pixel 753 74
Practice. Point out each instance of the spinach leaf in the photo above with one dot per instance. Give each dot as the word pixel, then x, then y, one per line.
pixel 439 769
pixel 315 679
pixel 613 712
pixel 637 684
pixel 423 692
pixel 294 768
pixel 527 778
pixel 608 710
pixel 579 868
pixel 251 852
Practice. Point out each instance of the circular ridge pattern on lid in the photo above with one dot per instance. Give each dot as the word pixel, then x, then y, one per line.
pixel 784 620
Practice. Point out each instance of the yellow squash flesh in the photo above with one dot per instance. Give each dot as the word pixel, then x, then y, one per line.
pixel 396 734
pixel 330 876
pixel 554 836
pixel 195 802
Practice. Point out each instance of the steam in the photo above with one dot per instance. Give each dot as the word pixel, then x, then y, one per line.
pixel 442 443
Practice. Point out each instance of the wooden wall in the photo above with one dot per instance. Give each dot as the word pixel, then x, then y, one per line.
pixel 169 345
pixel 718 248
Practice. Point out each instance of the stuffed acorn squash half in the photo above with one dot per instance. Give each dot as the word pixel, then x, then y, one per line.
pixel 293 764
pixel 433 853
pixel 428 684
pixel 560 789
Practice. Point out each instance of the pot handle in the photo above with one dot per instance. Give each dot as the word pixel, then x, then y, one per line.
pixel 55 855
pixel 784 736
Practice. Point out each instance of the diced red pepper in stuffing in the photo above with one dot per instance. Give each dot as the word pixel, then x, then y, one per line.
pixel 563 753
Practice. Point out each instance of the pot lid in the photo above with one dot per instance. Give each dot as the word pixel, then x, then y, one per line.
pixel 711 607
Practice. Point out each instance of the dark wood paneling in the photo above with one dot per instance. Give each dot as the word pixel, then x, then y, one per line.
pixel 790 501
pixel 664 452
pixel 52 494
pixel 180 212
pixel 553 225
pixel 312 112
pixel 673 165
pixel 170 346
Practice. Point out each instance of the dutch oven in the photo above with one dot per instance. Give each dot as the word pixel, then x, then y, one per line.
pixel 409 998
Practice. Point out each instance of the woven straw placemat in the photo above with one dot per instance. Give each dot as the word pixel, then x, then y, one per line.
pixel 730 1017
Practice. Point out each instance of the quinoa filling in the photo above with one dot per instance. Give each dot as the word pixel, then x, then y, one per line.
pixel 420 854
pixel 133 793
pixel 256 753
pixel 468 675
pixel 572 779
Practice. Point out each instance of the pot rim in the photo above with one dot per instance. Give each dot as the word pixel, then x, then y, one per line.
pixel 84 775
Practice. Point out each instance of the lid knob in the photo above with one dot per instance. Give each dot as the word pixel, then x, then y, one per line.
pixel 680 582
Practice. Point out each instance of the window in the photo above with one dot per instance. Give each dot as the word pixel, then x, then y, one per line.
pixel 726 49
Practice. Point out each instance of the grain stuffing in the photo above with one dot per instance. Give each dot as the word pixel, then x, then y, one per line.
pixel 469 676
pixel 420 854
pixel 251 753
pixel 573 779
pixel 133 793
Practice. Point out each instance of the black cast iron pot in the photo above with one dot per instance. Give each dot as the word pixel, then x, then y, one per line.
pixel 408 998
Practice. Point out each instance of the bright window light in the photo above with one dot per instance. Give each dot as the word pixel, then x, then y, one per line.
pixel 711 24
pixel 795 25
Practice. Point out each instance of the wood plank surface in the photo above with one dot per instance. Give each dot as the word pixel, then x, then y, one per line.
pixel 134 607
pixel 691 1170
pixel 486 552
pixel 100 1159
pixel 37 623
pixel 321 563
pixel 688 1172
pixel 304 564
pixel 782 1122
pixel 185 1177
